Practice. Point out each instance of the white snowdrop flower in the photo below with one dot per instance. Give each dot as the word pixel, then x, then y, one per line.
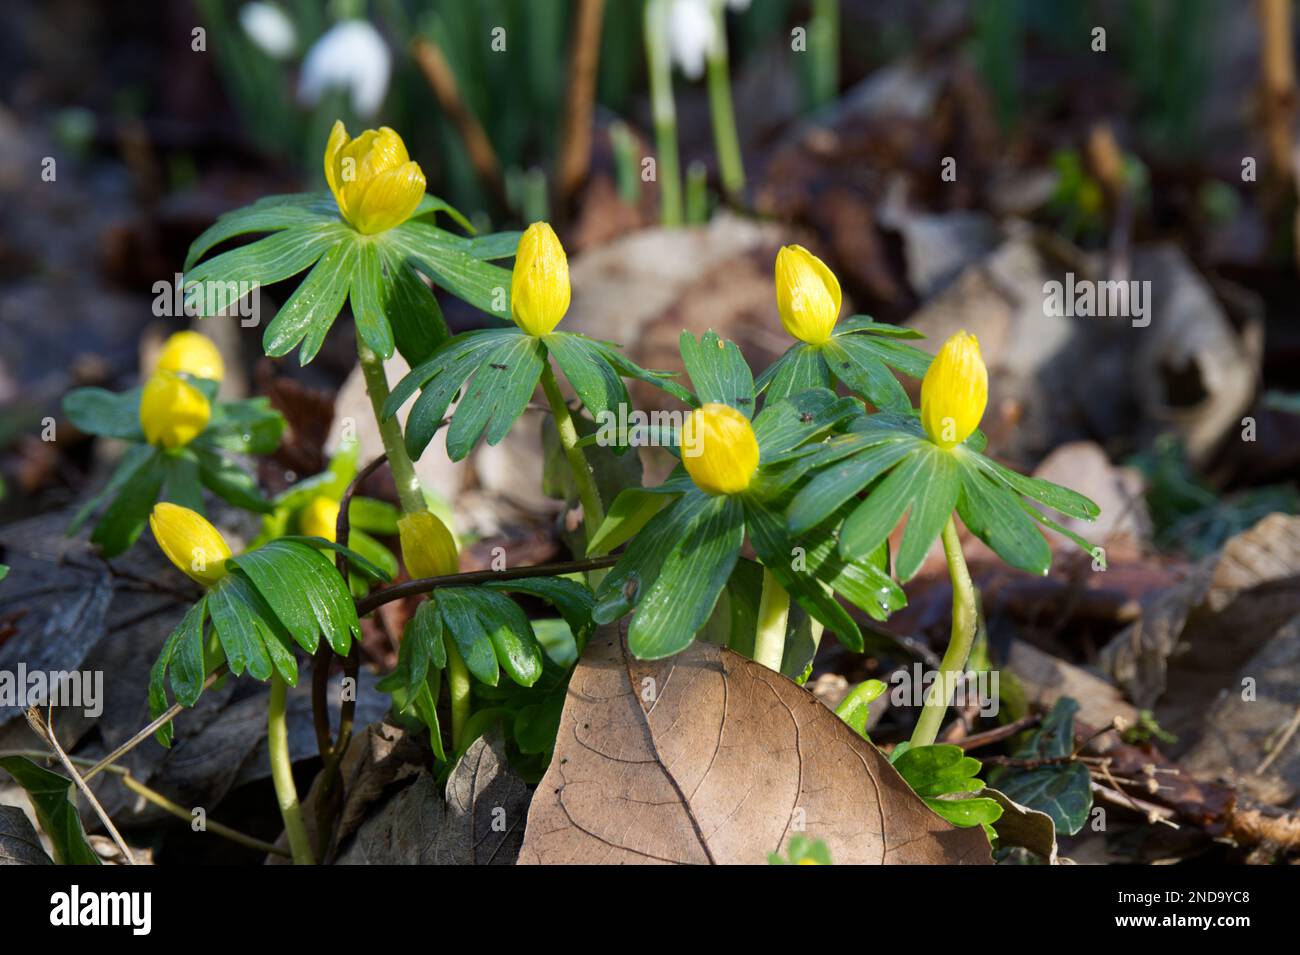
pixel 353 56
pixel 692 33
pixel 269 28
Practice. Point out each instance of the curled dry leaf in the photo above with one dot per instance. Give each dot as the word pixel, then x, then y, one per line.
pixel 708 757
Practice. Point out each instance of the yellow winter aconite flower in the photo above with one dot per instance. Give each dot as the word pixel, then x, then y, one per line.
pixel 196 547
pixel 320 518
pixel 373 179
pixel 807 295
pixel 539 287
pixel 954 391
pixel 719 449
pixel 428 549
pixel 192 354
pixel 172 411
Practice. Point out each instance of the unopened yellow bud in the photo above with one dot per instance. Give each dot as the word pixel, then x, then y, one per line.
pixel 373 179
pixel 428 549
pixel 172 411
pixel 807 295
pixel 320 518
pixel 955 391
pixel 539 287
pixel 196 547
pixel 719 449
pixel 192 354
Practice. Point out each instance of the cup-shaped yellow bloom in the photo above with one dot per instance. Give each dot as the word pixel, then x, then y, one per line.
pixel 428 549
pixel 320 518
pixel 373 179
pixel 539 287
pixel 955 391
pixel 196 547
pixel 192 354
pixel 807 295
pixel 172 411
pixel 719 449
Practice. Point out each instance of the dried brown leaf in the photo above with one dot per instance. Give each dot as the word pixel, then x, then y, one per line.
pixel 708 757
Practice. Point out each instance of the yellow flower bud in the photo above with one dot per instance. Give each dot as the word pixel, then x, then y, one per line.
pixel 373 179
pixel 320 518
pixel 428 549
pixel 807 295
pixel 719 449
pixel 196 547
pixel 954 391
pixel 539 288
pixel 172 411
pixel 192 354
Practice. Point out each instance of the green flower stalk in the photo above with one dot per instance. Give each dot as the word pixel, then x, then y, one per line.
pixel 725 139
pixel 665 112
pixel 286 792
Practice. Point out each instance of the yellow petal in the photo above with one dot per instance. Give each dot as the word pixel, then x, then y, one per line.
pixel 428 549
pixel 192 354
pixel 190 542
pixel 539 286
pixel 807 295
pixel 333 157
pixel 320 518
pixel 172 411
pixel 372 178
pixel 955 391
pixel 719 449
pixel 389 199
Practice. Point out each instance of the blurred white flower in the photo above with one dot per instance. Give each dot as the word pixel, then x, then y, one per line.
pixel 269 29
pixel 353 56
pixel 692 33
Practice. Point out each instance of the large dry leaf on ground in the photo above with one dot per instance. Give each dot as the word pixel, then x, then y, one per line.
pixel 1190 642
pixel 708 757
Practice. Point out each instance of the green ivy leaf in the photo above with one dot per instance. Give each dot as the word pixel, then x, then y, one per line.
pixel 1062 790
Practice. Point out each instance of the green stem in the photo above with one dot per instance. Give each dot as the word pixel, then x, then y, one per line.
pixel 665 112
pixel 964 620
pixel 773 612
pixel 409 492
pixel 593 512
pixel 725 140
pixel 824 45
pixel 277 741
pixel 458 688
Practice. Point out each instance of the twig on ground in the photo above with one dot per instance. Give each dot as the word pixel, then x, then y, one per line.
pixel 43 731
pixel 165 718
